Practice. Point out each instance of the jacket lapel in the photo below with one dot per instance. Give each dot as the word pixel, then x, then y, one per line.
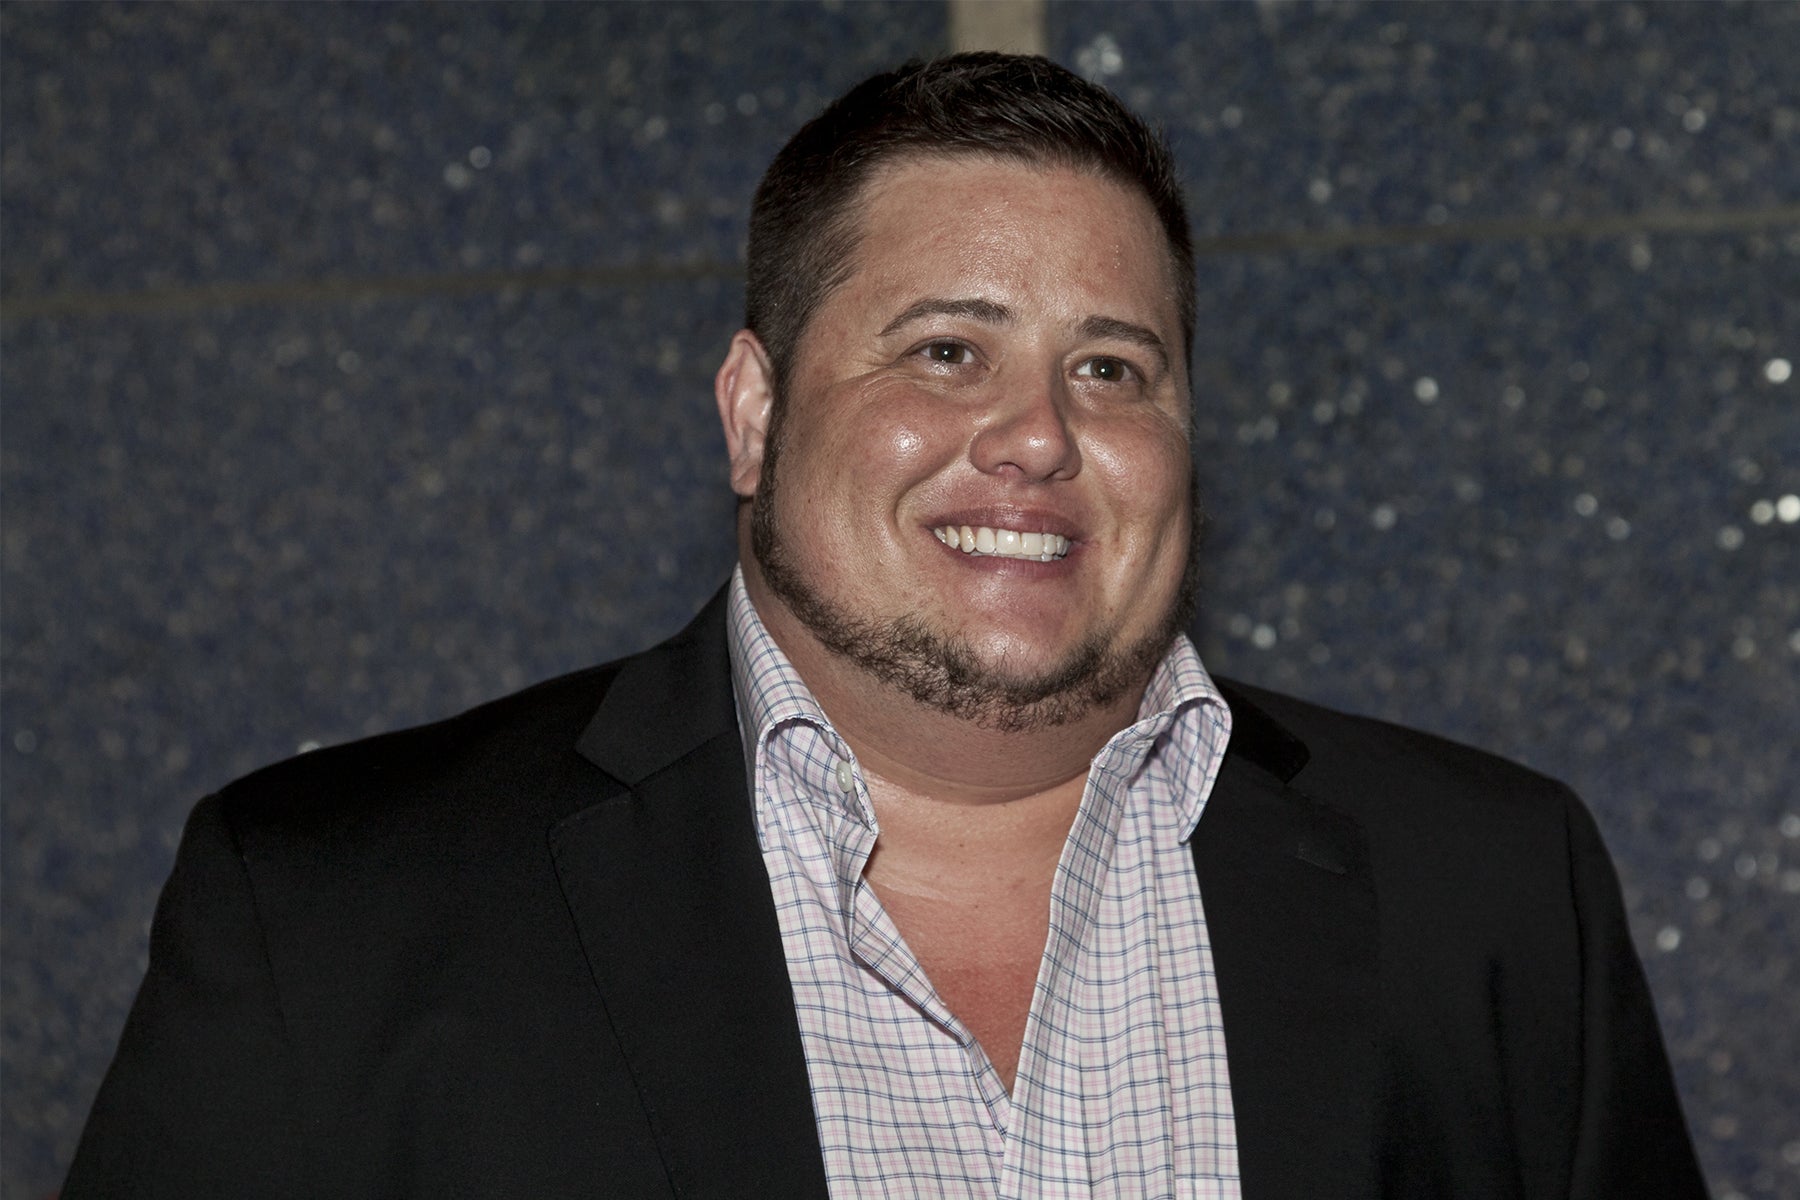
pixel 1290 912
pixel 669 893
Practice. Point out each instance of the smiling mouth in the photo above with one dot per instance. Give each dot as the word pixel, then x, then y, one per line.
pixel 983 541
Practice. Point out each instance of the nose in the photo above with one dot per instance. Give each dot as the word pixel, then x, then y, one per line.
pixel 1027 433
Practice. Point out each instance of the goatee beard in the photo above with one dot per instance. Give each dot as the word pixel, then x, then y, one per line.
pixel 944 672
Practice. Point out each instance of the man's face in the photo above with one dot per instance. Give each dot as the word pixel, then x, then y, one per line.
pixel 1003 367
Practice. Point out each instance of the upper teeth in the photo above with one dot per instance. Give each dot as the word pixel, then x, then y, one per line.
pixel 1003 543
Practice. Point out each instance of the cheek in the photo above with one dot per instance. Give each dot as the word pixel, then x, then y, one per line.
pixel 898 436
pixel 1146 471
pixel 907 443
pixel 884 449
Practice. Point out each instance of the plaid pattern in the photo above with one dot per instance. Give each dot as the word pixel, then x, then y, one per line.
pixel 1122 1088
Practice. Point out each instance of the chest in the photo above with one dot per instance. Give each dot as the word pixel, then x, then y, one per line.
pixel 982 956
pixel 1121 1087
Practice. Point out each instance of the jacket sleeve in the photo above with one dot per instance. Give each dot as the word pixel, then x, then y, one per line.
pixel 198 1101
pixel 1631 1139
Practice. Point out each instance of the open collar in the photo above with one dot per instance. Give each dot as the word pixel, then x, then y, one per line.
pixel 672 902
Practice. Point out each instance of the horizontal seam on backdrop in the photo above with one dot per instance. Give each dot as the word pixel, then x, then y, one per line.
pixel 332 289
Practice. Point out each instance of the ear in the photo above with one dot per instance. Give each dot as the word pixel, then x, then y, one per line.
pixel 745 391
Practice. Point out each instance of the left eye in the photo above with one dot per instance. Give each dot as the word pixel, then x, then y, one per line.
pixel 1107 370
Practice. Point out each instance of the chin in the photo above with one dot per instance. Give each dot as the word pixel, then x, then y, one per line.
pixel 1021 659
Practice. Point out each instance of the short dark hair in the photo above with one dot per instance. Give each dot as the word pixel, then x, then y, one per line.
pixel 803 222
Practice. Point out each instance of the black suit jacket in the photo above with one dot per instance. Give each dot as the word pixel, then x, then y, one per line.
pixel 531 951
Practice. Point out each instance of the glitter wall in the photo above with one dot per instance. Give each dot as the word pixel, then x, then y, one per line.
pixel 357 364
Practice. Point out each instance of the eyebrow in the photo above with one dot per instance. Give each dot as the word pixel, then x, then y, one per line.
pixel 986 311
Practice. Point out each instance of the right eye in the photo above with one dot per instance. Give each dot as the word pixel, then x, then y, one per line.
pixel 949 353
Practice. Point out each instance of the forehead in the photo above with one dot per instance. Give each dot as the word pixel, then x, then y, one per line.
pixel 981 218
pixel 916 192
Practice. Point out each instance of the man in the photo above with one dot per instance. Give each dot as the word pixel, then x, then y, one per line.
pixel 928 861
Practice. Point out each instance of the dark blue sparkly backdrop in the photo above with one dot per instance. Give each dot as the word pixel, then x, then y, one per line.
pixel 356 368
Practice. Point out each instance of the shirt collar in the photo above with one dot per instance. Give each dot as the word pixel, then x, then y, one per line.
pixel 773 701
pixel 1184 717
pixel 768 689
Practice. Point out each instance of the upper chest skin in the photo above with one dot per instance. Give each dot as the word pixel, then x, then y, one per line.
pixel 968 886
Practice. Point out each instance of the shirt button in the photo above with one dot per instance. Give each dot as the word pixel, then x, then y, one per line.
pixel 845 776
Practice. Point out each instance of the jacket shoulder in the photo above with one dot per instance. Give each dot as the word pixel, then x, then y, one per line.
pixel 1504 968
pixel 514 736
pixel 1346 747
pixel 482 783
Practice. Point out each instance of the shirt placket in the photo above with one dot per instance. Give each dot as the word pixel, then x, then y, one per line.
pixel 877 945
pixel 1076 896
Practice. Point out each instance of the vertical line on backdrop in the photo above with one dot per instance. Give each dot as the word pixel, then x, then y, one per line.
pixel 1012 25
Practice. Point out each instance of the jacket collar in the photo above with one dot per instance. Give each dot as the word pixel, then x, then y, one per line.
pixel 1290 914
pixel 666 703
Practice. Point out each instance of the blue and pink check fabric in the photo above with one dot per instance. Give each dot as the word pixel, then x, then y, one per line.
pixel 1122 1088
